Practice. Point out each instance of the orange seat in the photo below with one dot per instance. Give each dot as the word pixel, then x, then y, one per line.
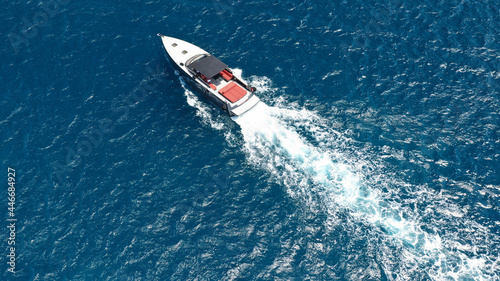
pixel 233 92
pixel 226 75
pixel 209 83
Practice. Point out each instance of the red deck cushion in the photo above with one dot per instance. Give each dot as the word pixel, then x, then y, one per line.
pixel 226 75
pixel 233 92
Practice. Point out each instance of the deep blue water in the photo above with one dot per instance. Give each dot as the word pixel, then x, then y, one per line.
pixel 374 156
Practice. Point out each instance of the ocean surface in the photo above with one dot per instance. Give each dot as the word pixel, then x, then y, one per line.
pixel 375 154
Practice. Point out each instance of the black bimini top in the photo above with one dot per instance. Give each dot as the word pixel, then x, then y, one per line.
pixel 208 66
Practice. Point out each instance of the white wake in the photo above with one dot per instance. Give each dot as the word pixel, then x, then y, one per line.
pixel 314 174
pixel 300 151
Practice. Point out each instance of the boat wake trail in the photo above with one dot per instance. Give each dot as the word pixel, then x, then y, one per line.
pixel 320 169
pixel 203 110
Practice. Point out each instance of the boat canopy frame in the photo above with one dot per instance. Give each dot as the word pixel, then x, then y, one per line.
pixel 208 66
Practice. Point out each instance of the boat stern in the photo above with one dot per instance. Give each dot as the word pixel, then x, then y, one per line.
pixel 245 106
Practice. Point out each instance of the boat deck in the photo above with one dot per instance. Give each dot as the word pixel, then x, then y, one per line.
pixel 226 88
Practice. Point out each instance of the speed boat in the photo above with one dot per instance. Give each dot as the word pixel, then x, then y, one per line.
pixel 210 76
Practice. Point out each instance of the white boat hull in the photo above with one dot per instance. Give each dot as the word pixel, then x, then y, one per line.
pixel 233 95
